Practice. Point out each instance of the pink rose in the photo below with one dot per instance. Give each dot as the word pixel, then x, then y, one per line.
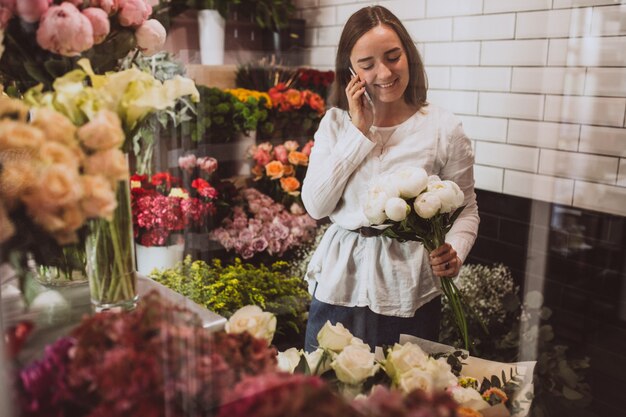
pixel 99 23
pixel 207 164
pixel 31 10
pixel 65 31
pixel 291 145
pixel 150 37
pixel 307 148
pixel 109 6
pixel 262 156
pixel 296 209
pixel 281 153
pixel 134 12
pixel 187 162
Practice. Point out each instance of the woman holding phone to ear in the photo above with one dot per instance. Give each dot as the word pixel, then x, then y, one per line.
pixel 379 287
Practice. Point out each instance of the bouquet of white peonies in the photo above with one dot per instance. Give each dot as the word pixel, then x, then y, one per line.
pixel 410 205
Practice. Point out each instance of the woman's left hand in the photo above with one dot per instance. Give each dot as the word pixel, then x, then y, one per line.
pixel 445 262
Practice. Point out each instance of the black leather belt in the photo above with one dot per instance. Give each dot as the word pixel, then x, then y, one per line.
pixel 369 231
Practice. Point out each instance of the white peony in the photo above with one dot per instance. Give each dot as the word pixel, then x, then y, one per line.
pixel 403 358
pixel 397 209
pixel 313 360
pixel 334 337
pixel 410 182
pixel 374 209
pixel 415 378
pixel 255 321
pixel 449 193
pixel 427 204
pixel 354 365
pixel 289 360
pixel 468 397
pixel 441 373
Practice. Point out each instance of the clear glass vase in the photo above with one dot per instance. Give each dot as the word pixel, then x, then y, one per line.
pixel 111 257
pixel 67 269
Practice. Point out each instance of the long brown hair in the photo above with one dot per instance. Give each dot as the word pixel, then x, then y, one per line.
pixel 361 22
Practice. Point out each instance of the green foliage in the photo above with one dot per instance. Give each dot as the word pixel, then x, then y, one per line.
pixel 226 288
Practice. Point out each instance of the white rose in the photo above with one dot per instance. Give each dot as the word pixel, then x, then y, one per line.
pixel 411 181
pixel 397 209
pixel 415 378
pixel 334 337
pixel 255 321
pixel 403 358
pixel 354 365
pixel 360 344
pixel 441 372
pixel 468 397
pixel 447 194
pixel 288 360
pixel 313 360
pixel 427 204
pixel 374 209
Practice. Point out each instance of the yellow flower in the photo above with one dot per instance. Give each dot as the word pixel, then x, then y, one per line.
pixel 179 192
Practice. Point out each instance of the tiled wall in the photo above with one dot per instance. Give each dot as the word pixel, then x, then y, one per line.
pixel 539 84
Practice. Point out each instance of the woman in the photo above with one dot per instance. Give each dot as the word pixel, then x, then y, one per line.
pixel 378 287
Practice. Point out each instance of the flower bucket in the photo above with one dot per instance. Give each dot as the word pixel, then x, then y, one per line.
pixel 211 28
pixel 111 257
pixel 159 257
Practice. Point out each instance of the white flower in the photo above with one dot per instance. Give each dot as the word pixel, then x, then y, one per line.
pixel 449 193
pixel 433 178
pixel 415 378
pixel 313 360
pixel 441 373
pixel 410 181
pixel 334 337
pixel 468 397
pixel 403 358
pixel 374 209
pixel 427 204
pixel 354 365
pixel 360 344
pixel 255 321
pixel 289 360
pixel 397 209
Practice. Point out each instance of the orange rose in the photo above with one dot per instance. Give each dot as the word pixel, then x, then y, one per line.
pixel 317 103
pixel 290 184
pixel 58 128
pixel 294 98
pixel 288 170
pixel 274 169
pixel 17 135
pixel 468 412
pixel 298 158
pixel 257 171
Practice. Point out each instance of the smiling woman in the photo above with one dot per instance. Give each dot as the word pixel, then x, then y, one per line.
pixel 380 287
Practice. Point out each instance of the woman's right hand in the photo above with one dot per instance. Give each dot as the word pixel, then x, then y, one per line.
pixel 361 111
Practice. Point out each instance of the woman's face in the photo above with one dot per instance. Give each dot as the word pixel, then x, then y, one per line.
pixel 379 58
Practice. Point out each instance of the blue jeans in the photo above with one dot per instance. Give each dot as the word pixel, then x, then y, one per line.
pixel 375 329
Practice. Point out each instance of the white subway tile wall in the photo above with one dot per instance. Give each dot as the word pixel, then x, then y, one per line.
pixel 540 86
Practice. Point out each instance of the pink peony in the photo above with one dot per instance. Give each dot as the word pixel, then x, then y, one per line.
pixel 31 10
pixel 99 23
pixel 134 12
pixel 187 162
pixel 150 37
pixel 109 6
pixel 65 31
pixel 281 153
pixel 207 164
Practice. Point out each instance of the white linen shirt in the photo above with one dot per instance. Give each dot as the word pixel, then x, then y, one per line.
pixel 389 277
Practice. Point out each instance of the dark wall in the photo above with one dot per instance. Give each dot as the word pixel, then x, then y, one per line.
pixel 583 254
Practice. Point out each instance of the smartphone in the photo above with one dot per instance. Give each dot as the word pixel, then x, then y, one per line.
pixel 367 96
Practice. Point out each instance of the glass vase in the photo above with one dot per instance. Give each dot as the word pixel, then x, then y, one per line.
pixel 111 257
pixel 69 268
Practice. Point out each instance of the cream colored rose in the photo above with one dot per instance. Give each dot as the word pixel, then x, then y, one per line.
pixel 73 217
pixel 334 337
pixel 353 365
pixel 56 126
pixel 13 108
pixel 313 360
pixel 98 198
pixel 415 378
pixel 55 153
pixel 57 186
pixel 14 135
pixel 16 179
pixel 110 163
pixel 49 218
pixel 104 131
pixel 289 360
pixel 441 373
pixel 403 358
pixel 255 321
pixel 7 229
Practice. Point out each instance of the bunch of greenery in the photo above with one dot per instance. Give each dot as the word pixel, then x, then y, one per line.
pixel 220 116
pixel 226 288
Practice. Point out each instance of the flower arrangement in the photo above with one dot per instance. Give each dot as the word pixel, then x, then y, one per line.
pixel 43 38
pixel 53 178
pixel 410 205
pixel 317 81
pixel 262 225
pixel 279 170
pixel 226 288
pixel 294 111
pixel 161 208
pixel 156 360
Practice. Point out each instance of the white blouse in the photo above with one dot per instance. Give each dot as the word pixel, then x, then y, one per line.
pixel 389 277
